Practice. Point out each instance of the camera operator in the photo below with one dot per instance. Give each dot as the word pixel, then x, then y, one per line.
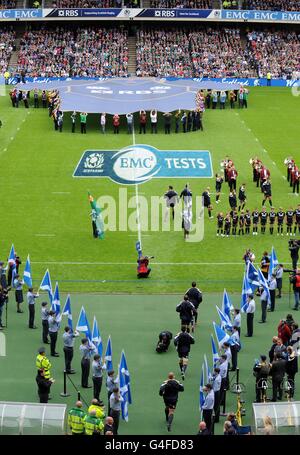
pixel 143 270
pixel 261 371
pixel 295 280
pixel 294 246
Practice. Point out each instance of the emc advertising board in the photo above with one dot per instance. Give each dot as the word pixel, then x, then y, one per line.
pixel 137 164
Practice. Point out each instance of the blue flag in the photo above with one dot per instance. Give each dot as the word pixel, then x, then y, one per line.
pixel 55 305
pixel 124 395
pixel 201 394
pixel 252 276
pixel 273 262
pixel 124 370
pixel 108 355
pixel 208 375
pixel 46 285
pixel 12 254
pixel 83 324
pixel 264 284
pixel 96 337
pixel 221 335
pixel 138 248
pixel 246 290
pixel 67 312
pixel 215 354
pixel 27 278
pixel 226 305
pixel 225 321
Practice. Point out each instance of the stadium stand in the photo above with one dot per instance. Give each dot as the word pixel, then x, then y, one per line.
pixel 7 38
pixel 7 4
pixel 199 4
pixel 273 5
pixel 86 4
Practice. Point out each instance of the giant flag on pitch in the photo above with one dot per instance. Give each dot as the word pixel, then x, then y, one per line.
pixel 215 354
pixel 67 312
pixel 108 355
pixel 56 300
pixel 97 217
pixel 124 370
pixel 96 337
pixel 226 305
pixel 246 290
pixel 252 276
pixel 273 262
pixel 46 285
pixel 225 321
pixel 201 394
pixel 27 278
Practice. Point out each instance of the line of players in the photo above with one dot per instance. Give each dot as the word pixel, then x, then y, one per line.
pixel 234 223
pixel 293 173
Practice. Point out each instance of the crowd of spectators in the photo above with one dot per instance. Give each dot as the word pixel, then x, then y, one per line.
pixel 276 52
pixel 272 5
pixel 198 4
pixel 81 51
pixel 7 4
pixel 87 4
pixel 7 38
pixel 207 51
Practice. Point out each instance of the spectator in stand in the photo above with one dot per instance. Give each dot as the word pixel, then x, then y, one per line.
pixel 198 4
pixel 7 4
pixel 273 5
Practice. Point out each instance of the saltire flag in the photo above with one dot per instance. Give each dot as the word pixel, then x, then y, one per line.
pixel 273 262
pixel 13 274
pixel 124 370
pixel 46 285
pixel 208 375
pixel 67 312
pixel 12 254
pixel 246 290
pixel 264 284
pixel 225 321
pixel 108 355
pixel 221 335
pixel 124 395
pixel 12 261
pixel 96 337
pixel 138 249
pixel 252 276
pixel 201 392
pixel 215 354
pixel 96 216
pixel 55 304
pixel 27 273
pixel 83 325
pixel 226 305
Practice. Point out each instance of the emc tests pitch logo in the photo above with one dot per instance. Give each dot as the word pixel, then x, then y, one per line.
pixel 139 163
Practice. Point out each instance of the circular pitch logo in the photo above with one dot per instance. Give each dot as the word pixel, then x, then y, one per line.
pixel 94 161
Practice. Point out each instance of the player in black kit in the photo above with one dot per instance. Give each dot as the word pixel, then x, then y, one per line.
pixel 169 391
pixel 232 200
pixel 241 223
pixel 255 221
pixel 242 196
pixel 297 219
pixel 220 221
pixel 219 181
pixel 289 221
pixel 267 190
pixel 235 220
pixel 247 221
pixel 263 220
pixel 272 218
pixel 227 225
pixel 280 218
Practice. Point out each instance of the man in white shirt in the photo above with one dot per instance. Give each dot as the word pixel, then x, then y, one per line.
pixel 153 118
pixel 250 310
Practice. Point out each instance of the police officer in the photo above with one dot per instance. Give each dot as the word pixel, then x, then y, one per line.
pixel 169 391
pixel 195 297
pixel 208 406
pixel 97 370
pixel 54 325
pixel 42 363
pixel 31 296
pixel 76 417
pixel 45 323
pixel 261 371
pixel 216 388
pixel 86 352
pixel 183 341
pixel 68 339
pixel 43 386
pixel 186 311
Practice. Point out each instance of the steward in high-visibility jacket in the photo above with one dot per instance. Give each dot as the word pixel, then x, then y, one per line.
pixel 76 419
pixel 98 408
pixel 43 363
pixel 92 425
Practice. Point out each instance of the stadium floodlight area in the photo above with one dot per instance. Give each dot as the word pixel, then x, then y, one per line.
pixel 123 95
pixel 285 416
pixel 32 418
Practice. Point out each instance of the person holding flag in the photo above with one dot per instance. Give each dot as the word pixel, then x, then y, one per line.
pixel 217 391
pixel 18 285
pixel 54 325
pixel 250 310
pixel 115 403
pixel 215 354
pixel 86 351
pixel 97 376
pixel 279 274
pixel 272 283
pixel 27 278
pixel 208 406
pixel 46 285
pixel 68 339
pixel 31 297
pixel 169 390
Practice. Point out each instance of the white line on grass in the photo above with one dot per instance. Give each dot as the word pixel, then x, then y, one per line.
pixel 61 192
pixel 138 221
pixel 154 263
pixel 44 235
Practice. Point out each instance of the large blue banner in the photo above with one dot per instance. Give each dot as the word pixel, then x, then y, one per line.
pixel 137 164
pixel 21 14
pixel 261 16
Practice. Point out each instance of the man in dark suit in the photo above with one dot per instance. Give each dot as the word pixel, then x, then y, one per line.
pixel 277 373
pixel 109 424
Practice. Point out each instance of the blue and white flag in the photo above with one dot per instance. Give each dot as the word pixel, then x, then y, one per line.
pixel 96 337
pixel 83 324
pixel 67 312
pixel 208 375
pixel 138 248
pixel 201 394
pixel 246 290
pixel 124 395
pixel 215 354
pixel 55 305
pixel 225 321
pixel 27 278
pixel 13 274
pixel 226 305
pixel 124 370
pixel 108 355
pixel 12 254
pixel 252 276
pixel 46 285
pixel 273 262
pixel 221 335
pixel 264 284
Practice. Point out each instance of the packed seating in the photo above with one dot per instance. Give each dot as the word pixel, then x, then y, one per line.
pixel 276 52
pixel 273 5
pixel 199 4
pixel 86 4
pixel 82 51
pixel 7 4
pixel 7 38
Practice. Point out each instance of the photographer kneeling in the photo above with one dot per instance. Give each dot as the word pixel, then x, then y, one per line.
pixel 143 270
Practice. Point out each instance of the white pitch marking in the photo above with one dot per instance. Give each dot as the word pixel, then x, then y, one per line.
pixel 61 192
pixel 44 235
pixel 156 263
